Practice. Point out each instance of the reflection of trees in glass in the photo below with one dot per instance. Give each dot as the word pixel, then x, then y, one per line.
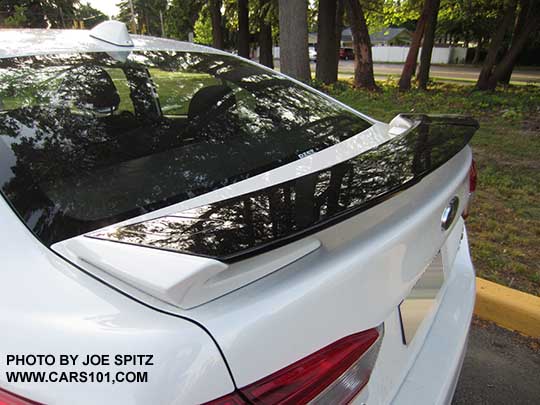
pixel 79 160
pixel 234 228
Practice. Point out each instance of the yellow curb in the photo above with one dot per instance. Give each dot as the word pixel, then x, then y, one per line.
pixel 507 307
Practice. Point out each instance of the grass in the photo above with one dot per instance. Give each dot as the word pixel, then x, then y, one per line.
pixel 504 227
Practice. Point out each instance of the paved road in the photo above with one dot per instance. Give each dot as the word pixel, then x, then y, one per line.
pixel 449 72
pixel 500 367
pixel 446 71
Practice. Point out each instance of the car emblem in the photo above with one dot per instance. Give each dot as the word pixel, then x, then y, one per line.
pixel 306 153
pixel 449 213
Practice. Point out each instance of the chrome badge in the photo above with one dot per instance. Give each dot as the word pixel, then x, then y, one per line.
pixel 449 213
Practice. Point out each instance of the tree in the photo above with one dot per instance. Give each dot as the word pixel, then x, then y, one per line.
pixel 203 27
pixel 266 56
pixel 243 28
pixel 531 22
pixel 363 61
pixel 506 18
pixel 88 16
pixel 518 28
pixel 412 56
pixel 293 39
pixel 427 43
pixel 340 15
pixel 18 19
pixel 381 14
pixel 327 57
pixel 38 13
pixel 147 19
pixel 217 29
pixel 181 17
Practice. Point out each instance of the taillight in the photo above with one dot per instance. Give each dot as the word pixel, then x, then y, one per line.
pixel 333 375
pixel 7 398
pixel 473 179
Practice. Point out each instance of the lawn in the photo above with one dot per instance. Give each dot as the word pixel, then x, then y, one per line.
pixel 504 227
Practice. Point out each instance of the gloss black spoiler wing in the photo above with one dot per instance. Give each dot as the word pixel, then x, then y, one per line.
pixel 237 228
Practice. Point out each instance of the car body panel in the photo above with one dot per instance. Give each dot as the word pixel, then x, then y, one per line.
pixel 25 42
pixel 353 277
pixel 447 342
pixel 336 193
pixel 172 286
pixel 366 266
pixel 50 307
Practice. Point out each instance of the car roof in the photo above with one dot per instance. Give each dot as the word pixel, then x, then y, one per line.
pixel 28 42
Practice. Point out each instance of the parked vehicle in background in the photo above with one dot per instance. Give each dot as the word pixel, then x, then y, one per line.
pixel 223 233
pixel 346 53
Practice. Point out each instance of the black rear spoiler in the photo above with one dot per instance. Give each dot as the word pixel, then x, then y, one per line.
pixel 239 227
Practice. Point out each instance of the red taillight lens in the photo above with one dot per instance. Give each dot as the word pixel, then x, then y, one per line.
pixel 473 177
pixel 7 398
pixel 333 375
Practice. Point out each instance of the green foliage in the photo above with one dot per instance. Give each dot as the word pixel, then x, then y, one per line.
pixel 504 227
pixel 42 13
pixel 312 14
pixel 146 15
pixel 460 20
pixel 514 101
pixel 467 20
pixel 37 13
pixel 203 27
pixel 180 18
pixel 381 14
pixel 18 19
pixel 89 16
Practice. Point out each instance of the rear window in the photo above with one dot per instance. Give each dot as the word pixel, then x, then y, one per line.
pixel 88 140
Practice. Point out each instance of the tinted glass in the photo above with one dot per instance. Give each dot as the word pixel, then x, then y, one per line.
pixel 239 227
pixel 88 140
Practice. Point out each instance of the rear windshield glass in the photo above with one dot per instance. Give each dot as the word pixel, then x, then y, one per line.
pixel 88 140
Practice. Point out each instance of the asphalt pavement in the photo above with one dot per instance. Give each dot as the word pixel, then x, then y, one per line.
pixel 461 73
pixel 500 367
pixel 455 72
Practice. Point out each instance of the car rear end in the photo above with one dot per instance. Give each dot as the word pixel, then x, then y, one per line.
pixel 322 254
pixel 391 271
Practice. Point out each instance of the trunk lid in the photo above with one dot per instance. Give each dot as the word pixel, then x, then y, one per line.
pixel 208 250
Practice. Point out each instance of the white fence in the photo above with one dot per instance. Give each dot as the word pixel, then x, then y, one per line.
pixel 398 54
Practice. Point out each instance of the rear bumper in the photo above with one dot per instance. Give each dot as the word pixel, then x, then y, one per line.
pixel 433 376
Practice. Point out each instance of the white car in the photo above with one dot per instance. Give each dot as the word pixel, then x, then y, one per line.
pixel 182 226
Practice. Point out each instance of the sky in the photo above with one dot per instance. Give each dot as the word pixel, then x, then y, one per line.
pixel 106 6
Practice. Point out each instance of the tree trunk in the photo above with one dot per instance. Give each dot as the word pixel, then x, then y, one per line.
pixel 265 36
pixel 217 30
pixel 518 30
pixel 412 56
pixel 293 39
pixel 478 51
pixel 340 14
pixel 495 45
pixel 327 57
pixel 427 44
pixel 531 22
pixel 243 28
pixel 363 61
